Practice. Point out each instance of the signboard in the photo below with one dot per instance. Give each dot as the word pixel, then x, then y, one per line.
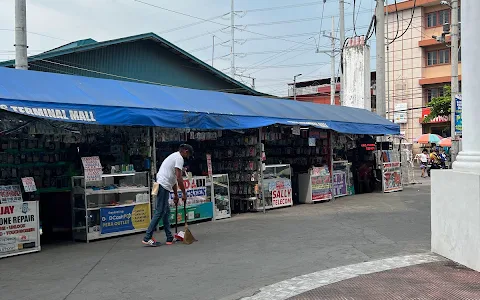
pixel 439 119
pixel 209 165
pixel 400 113
pixel 92 168
pixel 19 228
pixel 392 177
pixel 10 194
pixel 458 114
pixel 282 197
pixel 321 188
pixel 29 184
pixel 124 218
pixel 296 130
pixel 279 184
pixel 195 194
pixel 339 184
pixel 194 213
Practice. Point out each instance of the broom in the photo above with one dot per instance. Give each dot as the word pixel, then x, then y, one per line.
pixel 188 238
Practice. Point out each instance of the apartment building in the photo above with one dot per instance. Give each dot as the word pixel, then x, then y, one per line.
pixel 418 67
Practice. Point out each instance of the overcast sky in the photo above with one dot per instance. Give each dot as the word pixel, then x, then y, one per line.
pixel 51 23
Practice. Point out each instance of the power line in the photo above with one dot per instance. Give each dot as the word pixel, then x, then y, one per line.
pixel 281 7
pixel 191 24
pixel 36 33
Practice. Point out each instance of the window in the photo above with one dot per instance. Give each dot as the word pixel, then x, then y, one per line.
pixel 443 17
pixel 438 57
pixel 444 56
pixel 431 58
pixel 434 92
pixel 432 19
pixel 438 18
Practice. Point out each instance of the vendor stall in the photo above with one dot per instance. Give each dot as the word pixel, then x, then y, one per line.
pixel 316 185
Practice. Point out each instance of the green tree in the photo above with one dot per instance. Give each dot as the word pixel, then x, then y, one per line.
pixel 440 106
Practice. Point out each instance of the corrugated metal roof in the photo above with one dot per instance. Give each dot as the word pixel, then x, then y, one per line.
pixel 90 44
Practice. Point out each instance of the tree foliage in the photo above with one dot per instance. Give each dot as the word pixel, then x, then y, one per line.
pixel 440 106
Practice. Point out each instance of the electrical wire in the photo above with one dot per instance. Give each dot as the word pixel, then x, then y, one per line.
pixel 321 25
pixel 36 33
pixel 409 24
pixel 281 7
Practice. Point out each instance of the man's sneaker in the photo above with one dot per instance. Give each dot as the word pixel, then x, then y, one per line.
pixel 151 242
pixel 170 241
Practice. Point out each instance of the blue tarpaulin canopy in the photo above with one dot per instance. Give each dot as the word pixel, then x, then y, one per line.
pixel 111 102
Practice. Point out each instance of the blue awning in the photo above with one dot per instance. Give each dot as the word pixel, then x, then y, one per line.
pixel 111 102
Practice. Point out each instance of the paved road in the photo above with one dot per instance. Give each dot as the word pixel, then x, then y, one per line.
pixel 233 258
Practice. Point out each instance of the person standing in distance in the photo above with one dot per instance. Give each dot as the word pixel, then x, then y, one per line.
pixel 169 178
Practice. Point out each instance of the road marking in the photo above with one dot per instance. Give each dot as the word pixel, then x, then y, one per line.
pixel 291 287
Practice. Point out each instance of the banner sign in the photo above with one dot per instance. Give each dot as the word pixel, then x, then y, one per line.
pixel 321 188
pixel 19 228
pixel 10 194
pixel 124 218
pixel 86 116
pixel 92 168
pixel 458 114
pixel 194 213
pixel 279 184
pixel 339 184
pixel 392 177
pixel 29 184
pixel 209 165
pixel 196 194
pixel 282 197
pixel 400 113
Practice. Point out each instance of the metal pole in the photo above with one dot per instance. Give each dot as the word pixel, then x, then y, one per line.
pixel 454 55
pixel 154 153
pixel 21 59
pixel 295 88
pixel 332 78
pixel 380 15
pixel 253 83
pixel 260 179
pixel 232 42
pixel 388 66
pixel 213 48
pixel 342 43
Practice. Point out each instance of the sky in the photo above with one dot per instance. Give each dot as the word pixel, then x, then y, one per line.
pixel 273 42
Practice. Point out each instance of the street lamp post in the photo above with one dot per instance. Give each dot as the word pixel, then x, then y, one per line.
pixel 295 86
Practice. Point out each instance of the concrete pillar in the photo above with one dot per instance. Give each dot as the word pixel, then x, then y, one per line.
pixel 456 193
pixel 469 159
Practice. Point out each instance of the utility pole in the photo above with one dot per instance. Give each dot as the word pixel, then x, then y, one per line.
pixel 232 41
pixel 213 48
pixel 388 67
pixel 332 77
pixel 454 55
pixel 342 44
pixel 252 78
pixel 380 81
pixel 21 59
pixel 295 86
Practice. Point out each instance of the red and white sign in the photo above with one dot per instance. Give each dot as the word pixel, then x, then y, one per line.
pixel 29 184
pixel 282 197
pixel 439 119
pixel 10 194
pixel 209 165
pixel 93 168
pixel 19 228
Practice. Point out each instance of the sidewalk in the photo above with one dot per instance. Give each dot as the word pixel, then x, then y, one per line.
pixel 438 280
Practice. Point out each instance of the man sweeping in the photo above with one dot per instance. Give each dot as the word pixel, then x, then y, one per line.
pixel 169 178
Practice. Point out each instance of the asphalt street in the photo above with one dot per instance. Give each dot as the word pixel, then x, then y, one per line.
pixel 233 258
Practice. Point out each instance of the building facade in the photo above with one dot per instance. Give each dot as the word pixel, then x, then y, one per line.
pixel 143 58
pixel 418 67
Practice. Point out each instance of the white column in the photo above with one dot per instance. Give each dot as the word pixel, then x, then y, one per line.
pixel 469 159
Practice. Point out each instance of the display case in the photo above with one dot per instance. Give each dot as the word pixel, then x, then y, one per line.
pixel 117 204
pixel 315 186
pixel 199 207
pixel 340 178
pixel 276 187
pixel 219 192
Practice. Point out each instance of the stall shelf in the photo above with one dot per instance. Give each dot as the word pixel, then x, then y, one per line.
pixel 315 186
pixel 277 187
pixel 220 195
pixel 117 204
